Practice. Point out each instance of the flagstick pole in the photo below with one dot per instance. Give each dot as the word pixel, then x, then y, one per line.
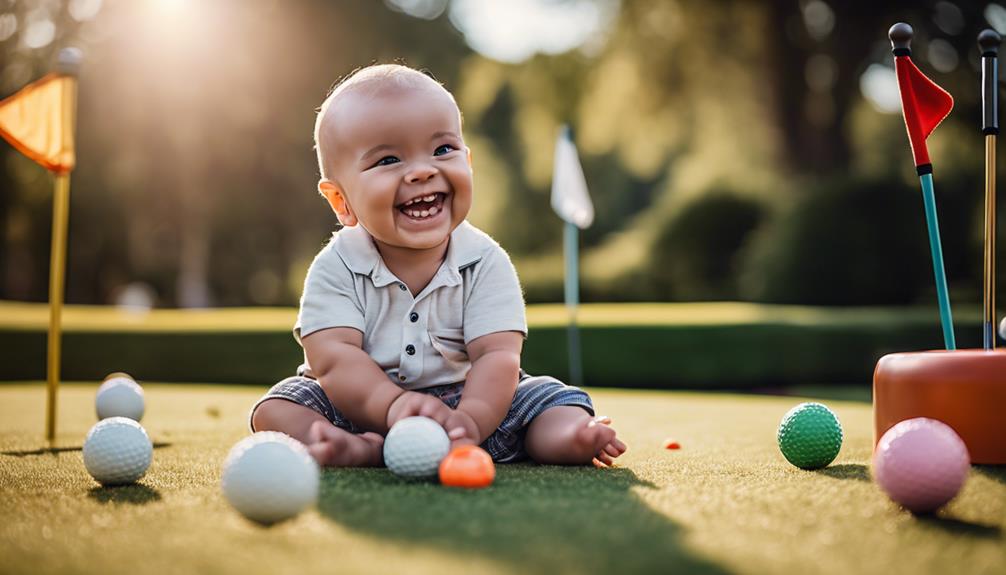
pixel 571 243
pixel 68 64
pixel 946 319
pixel 60 217
pixel 988 42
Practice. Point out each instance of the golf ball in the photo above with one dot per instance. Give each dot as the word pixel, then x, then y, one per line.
pixel 415 446
pixel 921 464
pixel 810 436
pixel 270 477
pixel 467 466
pixel 119 396
pixel 117 451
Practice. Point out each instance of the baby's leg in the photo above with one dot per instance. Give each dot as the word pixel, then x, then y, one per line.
pixel 568 435
pixel 328 444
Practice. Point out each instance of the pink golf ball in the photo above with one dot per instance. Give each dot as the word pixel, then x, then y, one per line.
pixel 921 463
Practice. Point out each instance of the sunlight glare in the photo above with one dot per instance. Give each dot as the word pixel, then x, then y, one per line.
pixel 171 6
pixel 514 31
pixel 879 85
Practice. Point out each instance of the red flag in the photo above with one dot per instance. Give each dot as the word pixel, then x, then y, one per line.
pixel 924 104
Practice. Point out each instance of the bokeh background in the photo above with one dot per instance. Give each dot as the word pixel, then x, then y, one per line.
pixel 734 150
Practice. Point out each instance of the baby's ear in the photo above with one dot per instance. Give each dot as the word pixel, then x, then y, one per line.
pixel 337 199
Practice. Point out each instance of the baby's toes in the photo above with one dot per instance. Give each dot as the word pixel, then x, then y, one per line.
pixel 316 432
pixel 616 447
pixel 611 451
pixel 596 436
pixel 375 438
pixel 322 451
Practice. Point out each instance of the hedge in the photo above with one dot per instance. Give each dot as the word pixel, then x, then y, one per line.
pixel 694 345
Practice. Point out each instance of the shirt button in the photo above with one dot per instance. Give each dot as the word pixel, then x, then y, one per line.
pixel 402 287
pixel 410 349
pixel 413 317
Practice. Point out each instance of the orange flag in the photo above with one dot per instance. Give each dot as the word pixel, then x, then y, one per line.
pixel 38 121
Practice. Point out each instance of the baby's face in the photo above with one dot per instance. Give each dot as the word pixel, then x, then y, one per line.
pixel 402 165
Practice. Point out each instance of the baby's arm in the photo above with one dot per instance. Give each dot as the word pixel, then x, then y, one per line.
pixel 357 386
pixel 492 380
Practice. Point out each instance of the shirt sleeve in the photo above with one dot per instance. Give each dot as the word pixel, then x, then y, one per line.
pixel 495 302
pixel 330 298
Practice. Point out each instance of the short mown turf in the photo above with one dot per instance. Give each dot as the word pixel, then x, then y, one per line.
pixel 726 502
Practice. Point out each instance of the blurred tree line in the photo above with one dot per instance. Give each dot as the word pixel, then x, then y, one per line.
pixel 729 147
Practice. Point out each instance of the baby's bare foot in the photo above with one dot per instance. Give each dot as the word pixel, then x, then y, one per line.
pixel 598 438
pixel 334 447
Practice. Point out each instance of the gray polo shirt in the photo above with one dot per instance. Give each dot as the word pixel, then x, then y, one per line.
pixel 418 341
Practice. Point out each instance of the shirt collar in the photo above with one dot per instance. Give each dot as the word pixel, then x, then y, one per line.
pixel 356 247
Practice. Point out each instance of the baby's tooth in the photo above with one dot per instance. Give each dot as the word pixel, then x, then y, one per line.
pixel 429 198
pixel 434 211
pixel 424 213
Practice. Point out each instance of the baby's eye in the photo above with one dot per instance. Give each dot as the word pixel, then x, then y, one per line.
pixel 387 161
pixel 443 149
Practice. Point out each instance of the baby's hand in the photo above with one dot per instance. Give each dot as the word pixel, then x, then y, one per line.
pixel 413 403
pixel 462 429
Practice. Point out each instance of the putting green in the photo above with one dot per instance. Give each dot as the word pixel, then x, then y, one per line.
pixel 726 502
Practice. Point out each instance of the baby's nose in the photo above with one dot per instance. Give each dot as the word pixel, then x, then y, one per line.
pixel 420 174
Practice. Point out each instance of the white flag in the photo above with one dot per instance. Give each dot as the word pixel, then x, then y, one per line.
pixel 569 188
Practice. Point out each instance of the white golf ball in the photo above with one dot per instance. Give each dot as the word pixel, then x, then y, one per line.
pixel 270 477
pixel 117 451
pixel 415 446
pixel 119 396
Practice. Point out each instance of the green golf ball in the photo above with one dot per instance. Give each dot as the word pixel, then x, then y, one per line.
pixel 810 436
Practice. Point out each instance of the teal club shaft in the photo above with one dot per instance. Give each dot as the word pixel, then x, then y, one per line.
pixel 571 243
pixel 946 319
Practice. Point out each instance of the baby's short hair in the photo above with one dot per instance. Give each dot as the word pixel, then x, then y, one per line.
pixel 375 77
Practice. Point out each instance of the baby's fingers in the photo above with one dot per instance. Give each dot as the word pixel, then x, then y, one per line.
pixel 603 419
pixel 436 411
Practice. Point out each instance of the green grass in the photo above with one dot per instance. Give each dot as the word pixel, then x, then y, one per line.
pixel 725 503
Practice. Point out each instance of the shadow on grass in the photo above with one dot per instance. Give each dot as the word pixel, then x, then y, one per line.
pixel 856 471
pixel 58 450
pixel 960 526
pixel 134 494
pixel 539 519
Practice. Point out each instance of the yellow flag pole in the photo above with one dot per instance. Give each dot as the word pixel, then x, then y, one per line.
pixel 57 265
pixel 69 62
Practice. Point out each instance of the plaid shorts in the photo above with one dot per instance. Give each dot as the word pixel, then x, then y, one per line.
pixel 534 395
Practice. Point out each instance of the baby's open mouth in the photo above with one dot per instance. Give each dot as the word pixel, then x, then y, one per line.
pixel 424 207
